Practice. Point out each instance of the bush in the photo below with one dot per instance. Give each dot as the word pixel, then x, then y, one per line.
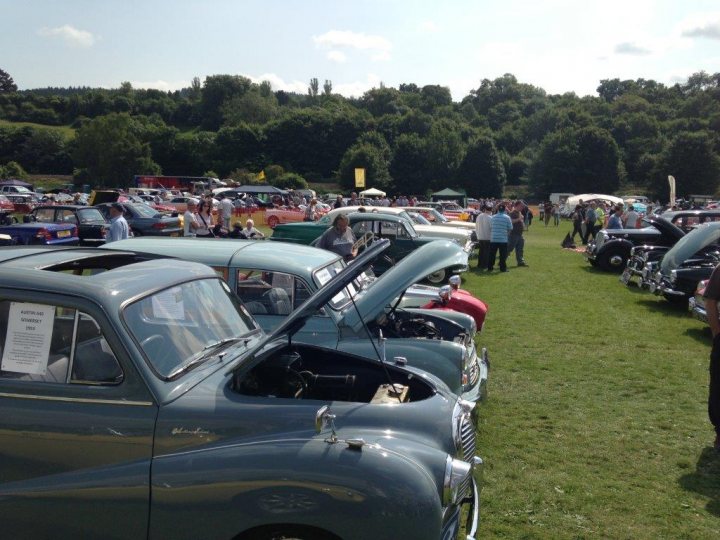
pixel 290 181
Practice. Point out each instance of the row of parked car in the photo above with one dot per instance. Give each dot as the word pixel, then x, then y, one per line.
pixel 207 388
pixel 671 255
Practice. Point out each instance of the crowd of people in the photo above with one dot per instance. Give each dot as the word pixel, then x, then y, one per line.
pixel 499 230
pixel 589 218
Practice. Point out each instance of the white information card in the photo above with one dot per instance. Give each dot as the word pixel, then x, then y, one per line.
pixel 29 333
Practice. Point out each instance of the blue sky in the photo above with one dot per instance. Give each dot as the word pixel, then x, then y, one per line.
pixel 559 45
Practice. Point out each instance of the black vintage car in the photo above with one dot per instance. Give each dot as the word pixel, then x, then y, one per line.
pixel 610 250
pixel 691 260
pixel 92 226
pixel 644 258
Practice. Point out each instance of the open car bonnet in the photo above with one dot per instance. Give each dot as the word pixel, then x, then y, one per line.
pixel 688 245
pixel 415 267
pixel 296 320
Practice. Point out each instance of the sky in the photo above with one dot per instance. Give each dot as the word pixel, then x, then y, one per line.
pixel 558 45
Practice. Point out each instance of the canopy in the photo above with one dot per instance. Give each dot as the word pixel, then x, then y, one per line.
pixel 15 182
pixel 372 192
pixel 448 194
pixel 590 197
pixel 260 188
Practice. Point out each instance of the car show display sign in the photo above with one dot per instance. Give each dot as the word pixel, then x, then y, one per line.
pixel 360 177
pixel 27 343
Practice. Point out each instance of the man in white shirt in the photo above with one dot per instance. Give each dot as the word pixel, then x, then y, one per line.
pixel 190 222
pixel 119 229
pixel 630 218
pixel 483 229
pixel 226 210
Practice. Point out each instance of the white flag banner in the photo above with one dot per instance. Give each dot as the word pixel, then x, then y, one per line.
pixel 671 181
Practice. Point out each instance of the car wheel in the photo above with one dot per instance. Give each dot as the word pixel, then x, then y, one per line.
pixel 613 260
pixel 273 222
pixel 437 278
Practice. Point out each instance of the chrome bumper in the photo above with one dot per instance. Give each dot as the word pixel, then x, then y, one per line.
pixel 697 311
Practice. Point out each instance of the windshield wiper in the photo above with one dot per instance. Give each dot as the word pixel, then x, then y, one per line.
pixel 201 357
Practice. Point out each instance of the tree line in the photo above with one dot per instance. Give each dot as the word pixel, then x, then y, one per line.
pixel 409 139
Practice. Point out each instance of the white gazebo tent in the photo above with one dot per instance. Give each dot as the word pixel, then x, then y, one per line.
pixel 592 197
pixel 372 192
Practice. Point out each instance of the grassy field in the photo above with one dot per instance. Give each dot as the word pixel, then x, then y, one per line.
pixel 65 131
pixel 596 424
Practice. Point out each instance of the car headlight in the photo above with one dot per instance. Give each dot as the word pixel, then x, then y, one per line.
pixel 632 252
pixel 673 277
pixel 457 480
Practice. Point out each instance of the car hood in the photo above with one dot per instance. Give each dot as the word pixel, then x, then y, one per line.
pixel 422 262
pixel 688 245
pixel 297 319
pixel 442 232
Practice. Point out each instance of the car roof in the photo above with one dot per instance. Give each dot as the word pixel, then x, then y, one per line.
pixel 62 206
pixel 38 271
pixel 272 256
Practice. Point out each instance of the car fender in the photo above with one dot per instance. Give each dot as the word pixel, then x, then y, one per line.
pixel 462 319
pixel 616 243
pixel 309 482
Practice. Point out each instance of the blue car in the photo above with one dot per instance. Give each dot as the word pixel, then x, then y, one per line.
pixel 49 234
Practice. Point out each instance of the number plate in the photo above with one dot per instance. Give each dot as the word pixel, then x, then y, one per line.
pixel 625 277
pixel 63 234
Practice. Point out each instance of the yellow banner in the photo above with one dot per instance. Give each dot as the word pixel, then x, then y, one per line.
pixel 360 177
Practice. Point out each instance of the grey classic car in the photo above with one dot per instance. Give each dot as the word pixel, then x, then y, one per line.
pixel 274 279
pixel 139 399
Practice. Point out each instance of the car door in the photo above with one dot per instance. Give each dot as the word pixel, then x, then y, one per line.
pixel 76 423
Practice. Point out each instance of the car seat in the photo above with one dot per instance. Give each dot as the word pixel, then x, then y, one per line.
pixel 279 301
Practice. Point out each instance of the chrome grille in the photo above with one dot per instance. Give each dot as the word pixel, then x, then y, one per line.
pixel 474 372
pixel 467 437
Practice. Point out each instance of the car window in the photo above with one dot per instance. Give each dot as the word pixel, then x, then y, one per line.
pixel 90 215
pixel 67 216
pixel 54 344
pixel 270 293
pixel 45 215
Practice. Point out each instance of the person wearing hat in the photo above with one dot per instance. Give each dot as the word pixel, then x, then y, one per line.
pixel 190 222
pixel 119 229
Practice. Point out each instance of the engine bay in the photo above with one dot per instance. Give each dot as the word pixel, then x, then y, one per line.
pixel 407 324
pixel 306 372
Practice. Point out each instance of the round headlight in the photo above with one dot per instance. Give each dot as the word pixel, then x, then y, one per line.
pixel 673 276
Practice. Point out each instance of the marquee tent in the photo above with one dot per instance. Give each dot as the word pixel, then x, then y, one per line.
pixel 592 197
pixel 372 192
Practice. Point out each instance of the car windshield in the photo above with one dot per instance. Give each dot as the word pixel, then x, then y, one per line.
pixel 438 216
pixel 690 244
pixel 90 215
pixel 419 219
pixel 186 323
pixel 143 210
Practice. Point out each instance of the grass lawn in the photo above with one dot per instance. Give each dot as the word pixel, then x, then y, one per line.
pixel 65 131
pixel 596 422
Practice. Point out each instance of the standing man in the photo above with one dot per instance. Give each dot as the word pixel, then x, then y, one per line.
pixel 190 222
pixel 226 210
pixel 119 229
pixel 590 219
pixel 338 202
pixel 339 238
pixel 712 296
pixel 516 241
pixel 501 227
pixel 630 218
pixel 483 228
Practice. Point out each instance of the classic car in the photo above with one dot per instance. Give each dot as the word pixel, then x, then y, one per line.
pixel 22 202
pixel 436 218
pixel 92 225
pixel 140 400
pixel 459 235
pixel 145 221
pixel 451 210
pixel 690 260
pixel 401 233
pixel 688 219
pixel 283 214
pixel 7 209
pixel 610 250
pixel 51 234
pixel 696 303
pixel 274 282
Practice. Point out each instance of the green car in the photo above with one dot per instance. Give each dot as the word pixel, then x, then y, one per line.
pixel 403 237
pixel 140 400
pixel 274 279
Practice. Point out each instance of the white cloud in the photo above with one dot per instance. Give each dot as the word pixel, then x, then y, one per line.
pixel 70 34
pixel 702 25
pixel 165 86
pixel 382 56
pixel 357 88
pixel 632 49
pixel 428 27
pixel 337 56
pixel 278 83
pixel 355 40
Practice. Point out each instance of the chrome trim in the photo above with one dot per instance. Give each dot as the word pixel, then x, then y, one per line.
pixel 78 400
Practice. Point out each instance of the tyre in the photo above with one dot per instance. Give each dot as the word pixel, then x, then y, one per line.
pixel 273 222
pixel 438 278
pixel 613 260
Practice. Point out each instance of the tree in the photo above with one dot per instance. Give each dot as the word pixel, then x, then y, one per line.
pixel 290 181
pixel 6 83
pixel 691 159
pixel 481 171
pixel 313 88
pixel 576 160
pixel 13 169
pixel 369 157
pixel 110 152
pixel 217 91
pixel 327 88
pixel 409 167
